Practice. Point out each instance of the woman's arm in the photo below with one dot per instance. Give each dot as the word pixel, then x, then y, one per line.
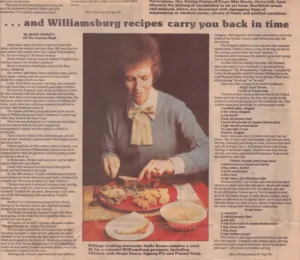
pixel 197 158
pixel 108 136
pixel 109 158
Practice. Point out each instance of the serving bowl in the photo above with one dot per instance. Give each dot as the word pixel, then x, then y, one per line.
pixel 182 215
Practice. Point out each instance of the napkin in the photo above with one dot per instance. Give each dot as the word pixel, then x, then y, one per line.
pixel 185 192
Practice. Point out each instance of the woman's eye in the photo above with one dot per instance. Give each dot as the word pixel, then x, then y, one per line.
pixel 130 79
pixel 145 78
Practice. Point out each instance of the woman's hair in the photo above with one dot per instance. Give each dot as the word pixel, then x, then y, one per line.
pixel 137 48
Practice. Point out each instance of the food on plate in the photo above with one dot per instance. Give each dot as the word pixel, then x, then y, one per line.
pixel 164 198
pixel 150 194
pixel 144 203
pixel 113 194
pixel 163 190
pixel 151 197
pixel 135 186
pixel 132 223
pixel 131 184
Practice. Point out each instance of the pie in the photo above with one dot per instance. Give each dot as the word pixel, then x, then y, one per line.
pixel 132 223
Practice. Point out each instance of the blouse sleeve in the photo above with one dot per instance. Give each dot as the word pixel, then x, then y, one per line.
pixel 197 158
pixel 108 136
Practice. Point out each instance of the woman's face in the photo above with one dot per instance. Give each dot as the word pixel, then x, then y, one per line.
pixel 139 81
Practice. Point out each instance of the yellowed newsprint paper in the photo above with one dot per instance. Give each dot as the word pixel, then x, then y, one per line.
pixel 149 129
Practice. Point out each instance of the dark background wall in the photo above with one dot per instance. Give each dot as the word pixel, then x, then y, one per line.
pixel 185 59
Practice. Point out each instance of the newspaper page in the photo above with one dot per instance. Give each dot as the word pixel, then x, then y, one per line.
pixel 159 129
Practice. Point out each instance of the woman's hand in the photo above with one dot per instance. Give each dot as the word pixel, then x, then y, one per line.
pixel 156 168
pixel 111 165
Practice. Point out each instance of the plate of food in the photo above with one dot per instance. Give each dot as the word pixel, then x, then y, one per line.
pixel 133 196
pixel 130 227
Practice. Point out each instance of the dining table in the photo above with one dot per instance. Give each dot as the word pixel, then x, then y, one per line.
pixel 96 217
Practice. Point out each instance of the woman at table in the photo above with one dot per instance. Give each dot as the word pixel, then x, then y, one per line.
pixel 143 129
